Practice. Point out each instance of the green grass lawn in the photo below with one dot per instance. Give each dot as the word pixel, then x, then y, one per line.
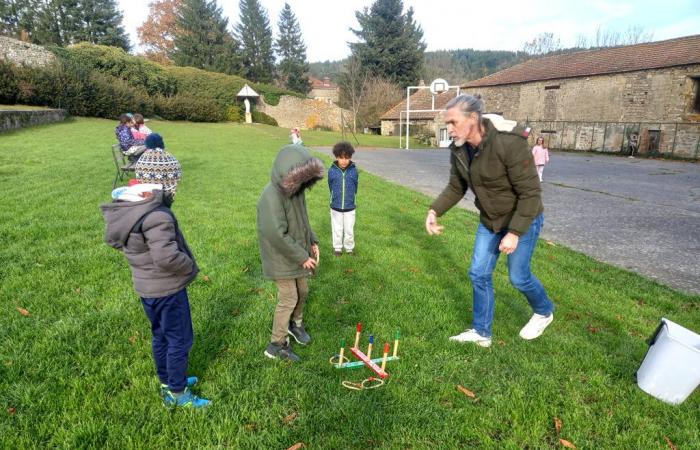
pixel 77 372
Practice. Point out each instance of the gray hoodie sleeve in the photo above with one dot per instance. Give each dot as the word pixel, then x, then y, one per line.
pixel 161 238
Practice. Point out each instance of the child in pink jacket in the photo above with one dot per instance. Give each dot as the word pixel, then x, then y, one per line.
pixel 541 155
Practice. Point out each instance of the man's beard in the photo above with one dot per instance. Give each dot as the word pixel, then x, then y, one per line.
pixel 459 142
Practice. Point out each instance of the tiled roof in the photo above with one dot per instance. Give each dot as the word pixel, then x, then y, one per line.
pixel 421 99
pixel 326 83
pixel 653 55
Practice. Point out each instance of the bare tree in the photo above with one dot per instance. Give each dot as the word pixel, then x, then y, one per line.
pixel 353 79
pixel 636 34
pixel 379 96
pixel 542 44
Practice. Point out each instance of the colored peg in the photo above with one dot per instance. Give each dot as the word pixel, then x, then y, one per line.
pixel 357 335
pixel 386 353
pixel 369 347
pixel 342 350
pixel 396 342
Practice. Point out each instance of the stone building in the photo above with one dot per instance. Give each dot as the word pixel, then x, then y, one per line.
pixel 323 90
pixel 424 116
pixel 606 99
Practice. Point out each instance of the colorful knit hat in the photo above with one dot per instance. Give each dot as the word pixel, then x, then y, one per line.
pixel 158 166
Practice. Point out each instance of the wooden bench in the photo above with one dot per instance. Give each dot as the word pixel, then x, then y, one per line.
pixel 122 163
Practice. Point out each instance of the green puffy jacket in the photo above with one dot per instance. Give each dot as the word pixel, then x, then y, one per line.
pixel 503 178
pixel 284 233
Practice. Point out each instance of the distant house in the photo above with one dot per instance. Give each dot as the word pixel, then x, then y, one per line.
pixel 324 90
pixel 610 99
pixel 424 117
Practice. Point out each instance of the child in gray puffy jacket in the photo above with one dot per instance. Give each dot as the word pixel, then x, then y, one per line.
pixel 141 225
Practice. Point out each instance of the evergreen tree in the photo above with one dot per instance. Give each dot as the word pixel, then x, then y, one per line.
pixel 255 35
pixel 18 17
pixel 202 39
pixel 99 22
pixel 391 43
pixel 291 51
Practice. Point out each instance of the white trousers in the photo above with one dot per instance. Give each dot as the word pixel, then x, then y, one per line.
pixel 342 224
pixel 540 169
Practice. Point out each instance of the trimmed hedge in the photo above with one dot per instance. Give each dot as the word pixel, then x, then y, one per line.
pixel 101 81
pixel 261 117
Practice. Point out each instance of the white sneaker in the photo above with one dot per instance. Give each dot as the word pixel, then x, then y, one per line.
pixel 472 336
pixel 535 327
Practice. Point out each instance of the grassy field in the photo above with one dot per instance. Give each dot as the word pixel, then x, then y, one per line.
pixel 75 363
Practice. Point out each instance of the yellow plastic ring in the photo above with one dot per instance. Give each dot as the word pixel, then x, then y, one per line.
pixel 353 386
pixel 335 359
pixel 368 383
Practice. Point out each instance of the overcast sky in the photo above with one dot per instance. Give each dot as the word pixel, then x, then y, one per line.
pixel 482 25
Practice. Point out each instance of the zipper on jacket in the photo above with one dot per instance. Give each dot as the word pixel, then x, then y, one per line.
pixel 342 198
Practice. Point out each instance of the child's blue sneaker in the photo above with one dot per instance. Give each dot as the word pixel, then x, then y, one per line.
pixel 186 400
pixel 191 381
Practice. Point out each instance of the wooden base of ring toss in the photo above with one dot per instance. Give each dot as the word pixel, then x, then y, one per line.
pixel 340 361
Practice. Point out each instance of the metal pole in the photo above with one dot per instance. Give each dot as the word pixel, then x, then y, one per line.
pixel 408 115
pixel 673 146
pixel 400 129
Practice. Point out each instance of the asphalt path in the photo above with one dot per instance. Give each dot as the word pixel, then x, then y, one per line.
pixel 639 214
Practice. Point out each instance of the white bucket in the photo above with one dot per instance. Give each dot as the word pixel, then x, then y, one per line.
pixel 671 369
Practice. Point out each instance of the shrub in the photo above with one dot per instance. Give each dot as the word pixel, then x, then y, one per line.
pixel 137 71
pixel 234 114
pixel 8 83
pixel 183 107
pixel 261 117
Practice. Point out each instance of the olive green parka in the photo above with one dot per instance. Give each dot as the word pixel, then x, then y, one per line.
pixel 284 233
pixel 503 178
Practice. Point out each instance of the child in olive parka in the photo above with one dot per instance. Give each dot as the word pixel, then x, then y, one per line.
pixel 288 245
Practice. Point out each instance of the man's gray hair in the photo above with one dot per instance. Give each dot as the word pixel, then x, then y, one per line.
pixel 467 104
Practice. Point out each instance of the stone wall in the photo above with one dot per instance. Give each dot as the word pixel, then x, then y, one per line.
pixel 659 95
pixel 24 53
pixel 678 140
pixel 10 120
pixel 306 114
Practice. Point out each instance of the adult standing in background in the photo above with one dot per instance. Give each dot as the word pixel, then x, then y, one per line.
pixel 493 159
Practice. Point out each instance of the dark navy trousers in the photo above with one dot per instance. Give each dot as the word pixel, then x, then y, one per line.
pixel 171 325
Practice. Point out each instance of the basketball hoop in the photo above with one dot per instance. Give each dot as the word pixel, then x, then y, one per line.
pixel 439 86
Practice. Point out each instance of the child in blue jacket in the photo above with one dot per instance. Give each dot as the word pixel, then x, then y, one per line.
pixel 342 182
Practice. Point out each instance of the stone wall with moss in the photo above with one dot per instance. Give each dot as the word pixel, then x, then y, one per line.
pixel 11 120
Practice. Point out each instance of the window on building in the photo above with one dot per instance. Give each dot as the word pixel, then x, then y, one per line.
pixel 696 99
pixel 551 86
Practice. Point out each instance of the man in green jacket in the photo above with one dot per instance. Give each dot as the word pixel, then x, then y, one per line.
pixel 288 245
pixel 491 156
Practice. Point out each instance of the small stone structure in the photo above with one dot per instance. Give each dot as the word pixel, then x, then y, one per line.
pixel 11 120
pixel 24 53
pixel 307 114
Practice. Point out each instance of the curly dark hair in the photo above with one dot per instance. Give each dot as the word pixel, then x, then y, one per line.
pixel 343 148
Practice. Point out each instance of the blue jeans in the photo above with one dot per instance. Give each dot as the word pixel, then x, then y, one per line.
pixel 171 326
pixel 481 274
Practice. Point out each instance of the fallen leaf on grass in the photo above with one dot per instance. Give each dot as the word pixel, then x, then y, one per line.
pixel 23 311
pixel 551 243
pixel 618 317
pixel 349 271
pixel 465 391
pixel 290 418
pixel 132 339
pixel 11 411
pixel 566 443
pixel 593 329
pixel 77 290
pixel 245 269
pixel 557 424
pixel 252 426
pixel 206 278
pixel 413 269
pixel 297 446
pixel 670 444
pixel 501 343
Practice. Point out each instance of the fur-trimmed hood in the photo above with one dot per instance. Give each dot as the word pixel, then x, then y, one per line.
pixel 295 169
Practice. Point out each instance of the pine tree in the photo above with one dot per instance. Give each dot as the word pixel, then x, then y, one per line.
pixel 202 39
pixel 18 17
pixel 65 22
pixel 255 35
pixel 291 51
pixel 391 43
pixel 99 22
